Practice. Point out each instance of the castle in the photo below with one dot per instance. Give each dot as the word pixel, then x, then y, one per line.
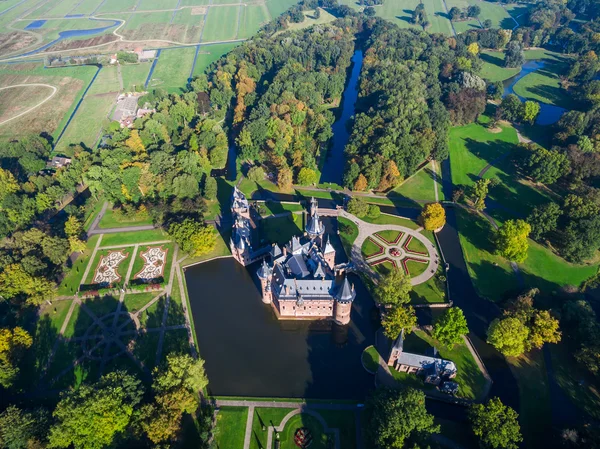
pixel 301 280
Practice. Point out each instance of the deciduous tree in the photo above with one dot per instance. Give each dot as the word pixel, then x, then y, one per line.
pixel 193 237
pixel 13 344
pixel 480 192
pixel 307 176
pixel 433 216
pixel 508 335
pixel 21 429
pixel 358 206
pixel 398 318
pixel 512 240
pixel 393 288
pixel 450 327
pixel 544 219
pixel 496 425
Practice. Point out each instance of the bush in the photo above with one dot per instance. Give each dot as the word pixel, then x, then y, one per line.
pixel 256 174
pixel 374 211
pixel 358 206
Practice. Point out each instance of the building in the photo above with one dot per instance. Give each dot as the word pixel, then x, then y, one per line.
pixel 433 369
pixel 300 280
pixel 58 162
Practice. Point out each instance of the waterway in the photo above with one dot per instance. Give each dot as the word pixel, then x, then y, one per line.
pixel 74 33
pixel 248 352
pixel 549 113
pixel 333 169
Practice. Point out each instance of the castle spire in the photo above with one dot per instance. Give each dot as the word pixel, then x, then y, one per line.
pixel 314 227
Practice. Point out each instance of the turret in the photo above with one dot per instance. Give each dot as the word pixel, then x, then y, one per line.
pixel 265 274
pixel 314 227
pixel 329 253
pixel 344 297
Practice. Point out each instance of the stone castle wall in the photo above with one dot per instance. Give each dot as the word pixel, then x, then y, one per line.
pixel 310 309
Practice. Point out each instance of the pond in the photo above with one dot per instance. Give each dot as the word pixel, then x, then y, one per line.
pixel 549 113
pixel 248 352
pixel 333 170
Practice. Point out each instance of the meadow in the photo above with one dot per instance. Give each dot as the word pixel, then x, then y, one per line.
pixel 209 54
pixel 173 69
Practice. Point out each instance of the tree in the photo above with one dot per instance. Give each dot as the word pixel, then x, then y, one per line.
pixel 284 179
pixel 393 288
pixel 510 108
pixel 496 425
pixel 545 166
pixel 16 283
pixel 511 240
pixel 455 13
pixel 508 335
pixel 543 329
pixel 544 219
pixel 393 418
pixel 210 188
pixel 13 344
pixel 307 176
pixel 193 237
pixel 398 318
pixel 530 111
pixel 473 11
pixel 487 24
pixel 21 429
pixel 513 55
pixel 256 173
pixel 473 49
pixel 181 370
pixel 450 327
pixel 91 416
pixel 370 11
pixel 480 191
pixel 433 216
pixel 361 183
pixel 8 184
pixel 358 206
pixel 374 211
pixel 73 227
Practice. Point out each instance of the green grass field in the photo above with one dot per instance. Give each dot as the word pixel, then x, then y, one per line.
pixel 106 81
pixel 129 238
pixel 370 248
pixel 309 20
pixel 266 416
pixel 493 67
pixel 304 420
pixel 147 25
pixel 419 186
pixel 87 123
pixel 384 219
pixel 276 7
pixel 112 220
pixel 70 283
pixel 134 75
pixel 145 5
pixel 415 268
pixel 209 54
pixel 231 426
pixel 370 359
pixel 221 24
pixel 432 291
pixel 111 6
pixel 544 86
pixel 173 69
pixel 86 7
pixel 186 27
pixel 251 19
pixel 348 233
pixel 138 264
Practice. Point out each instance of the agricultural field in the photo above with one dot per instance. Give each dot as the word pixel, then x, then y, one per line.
pixel 111 6
pixel 146 26
pixel 276 7
pixel 209 54
pixel 86 7
pixel 173 69
pixel 186 26
pixel 51 116
pixel 146 5
pixel 309 20
pixel 251 19
pixel 134 75
pixel 217 18
pixel 106 81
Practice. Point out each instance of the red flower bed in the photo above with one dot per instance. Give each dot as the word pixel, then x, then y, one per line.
pixel 302 437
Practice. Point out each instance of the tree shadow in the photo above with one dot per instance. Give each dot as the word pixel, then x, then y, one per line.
pixel 491 59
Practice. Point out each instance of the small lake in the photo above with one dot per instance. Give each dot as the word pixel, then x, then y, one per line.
pixel 333 170
pixel 549 114
pixel 248 352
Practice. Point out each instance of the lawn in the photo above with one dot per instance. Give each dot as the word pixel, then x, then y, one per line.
pixel 116 6
pixel 106 81
pixel 417 246
pixel 388 236
pixel 415 268
pixel 209 54
pixel 114 220
pixel 473 146
pixel 432 291
pixel 86 7
pixel 139 261
pixel 310 20
pixel 252 17
pixel 304 420
pixel 72 279
pixel 231 426
pixel 134 75
pixel 275 207
pixel 87 123
pixel 55 312
pixel 130 238
pixel 370 248
pixel 280 229
pixel 173 69
pixel 135 301
pixel 277 7
pixel 78 323
pixel 221 24
pixel 493 67
pixel 370 359
pixel 419 186
pixel 264 416
pixel 348 233
pixel 398 12
pixel 384 219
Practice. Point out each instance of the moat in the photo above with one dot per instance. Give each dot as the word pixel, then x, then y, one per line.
pixel 248 352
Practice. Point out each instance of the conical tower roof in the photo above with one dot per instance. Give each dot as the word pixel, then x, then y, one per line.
pixel 265 271
pixel 345 292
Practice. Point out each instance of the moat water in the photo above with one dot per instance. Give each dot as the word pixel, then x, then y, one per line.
pixel 333 170
pixel 248 352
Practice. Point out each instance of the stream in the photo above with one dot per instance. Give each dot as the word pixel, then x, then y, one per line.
pixel 549 114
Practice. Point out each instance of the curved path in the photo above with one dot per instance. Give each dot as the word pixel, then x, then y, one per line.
pixel 54 90
pixel 367 229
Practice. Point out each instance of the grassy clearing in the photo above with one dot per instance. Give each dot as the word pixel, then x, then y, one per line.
pixel 113 220
pixel 86 7
pixel 544 86
pixel 389 236
pixel 135 301
pixel 384 219
pixel 129 238
pixel 276 7
pixel 87 123
pixel 231 427
pixel 348 233
pixel 432 291
pixel 399 13
pixel 121 270
pixel 252 17
pixel 310 20
pixel 116 6
pixel 280 229
pixel 134 75
pixel 156 4
pixel 209 54
pixel 146 25
pixel 221 24
pixel 78 323
pixel 493 67
pixel 55 312
pixel 274 207
pixel 173 69
pixel 106 81
pixel 419 186
pixel 417 246
pixel 415 268
pixel 72 279
pixel 221 249
pixel 370 248
pixel 370 359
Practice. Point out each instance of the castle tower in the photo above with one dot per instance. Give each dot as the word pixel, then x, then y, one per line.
pixel 329 253
pixel 314 227
pixel 343 302
pixel 239 204
pixel 265 273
